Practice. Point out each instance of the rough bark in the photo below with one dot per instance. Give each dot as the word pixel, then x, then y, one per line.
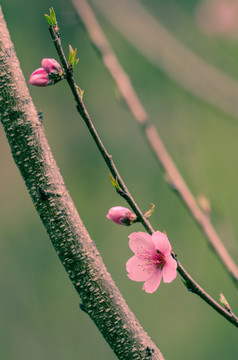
pixel 100 297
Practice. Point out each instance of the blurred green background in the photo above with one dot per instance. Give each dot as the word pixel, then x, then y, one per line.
pixel 39 312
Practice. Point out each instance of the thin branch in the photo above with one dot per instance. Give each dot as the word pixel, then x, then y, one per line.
pixel 196 289
pixel 101 299
pixel 108 159
pixel 123 82
pixel 83 112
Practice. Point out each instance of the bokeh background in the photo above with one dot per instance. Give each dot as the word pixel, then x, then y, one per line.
pixel 39 308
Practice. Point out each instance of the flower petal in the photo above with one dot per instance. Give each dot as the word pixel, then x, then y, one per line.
pixel 39 71
pixel 50 65
pixel 141 243
pixel 161 242
pixel 169 270
pixel 153 283
pixel 136 269
pixel 39 78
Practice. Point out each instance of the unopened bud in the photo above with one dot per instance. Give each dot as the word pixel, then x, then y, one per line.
pixel 49 74
pixel 224 302
pixel 39 78
pixel 121 215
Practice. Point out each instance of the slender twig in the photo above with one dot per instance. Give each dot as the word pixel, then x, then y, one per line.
pixel 129 95
pixel 196 289
pixel 108 159
pixel 100 298
pixel 83 112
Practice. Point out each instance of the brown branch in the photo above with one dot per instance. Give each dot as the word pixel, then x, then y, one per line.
pixel 84 113
pixel 100 297
pixel 196 289
pixel 193 286
pixel 122 80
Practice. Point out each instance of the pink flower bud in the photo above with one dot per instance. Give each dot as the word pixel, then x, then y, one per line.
pixel 121 215
pixel 50 65
pixel 49 74
pixel 39 78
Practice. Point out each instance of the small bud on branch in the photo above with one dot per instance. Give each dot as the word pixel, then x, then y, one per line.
pixel 49 74
pixel 121 216
pixel 224 302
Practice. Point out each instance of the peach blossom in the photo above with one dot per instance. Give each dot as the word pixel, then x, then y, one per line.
pixel 152 260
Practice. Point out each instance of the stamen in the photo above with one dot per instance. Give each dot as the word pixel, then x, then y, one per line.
pixel 153 260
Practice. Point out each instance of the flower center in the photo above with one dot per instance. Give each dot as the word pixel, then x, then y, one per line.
pixel 154 261
pixel 160 259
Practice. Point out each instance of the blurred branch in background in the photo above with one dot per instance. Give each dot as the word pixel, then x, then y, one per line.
pixel 101 299
pixel 145 33
pixel 149 130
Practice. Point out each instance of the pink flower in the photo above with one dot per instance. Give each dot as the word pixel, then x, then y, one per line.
pixel 152 260
pixel 121 215
pixel 49 74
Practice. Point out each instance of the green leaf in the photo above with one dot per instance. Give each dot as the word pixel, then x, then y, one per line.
pixel 48 18
pixel 81 92
pixel 51 18
pixel 72 54
pixel 75 62
pixel 114 182
pixel 71 51
pixel 52 14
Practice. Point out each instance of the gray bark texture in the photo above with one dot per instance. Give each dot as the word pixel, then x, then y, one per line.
pixel 100 298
